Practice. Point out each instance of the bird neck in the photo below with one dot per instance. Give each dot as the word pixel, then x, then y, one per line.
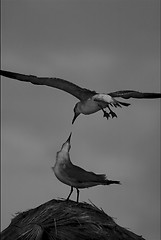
pixel 62 157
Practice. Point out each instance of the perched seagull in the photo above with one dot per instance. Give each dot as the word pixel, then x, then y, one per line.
pixel 75 176
pixel 90 101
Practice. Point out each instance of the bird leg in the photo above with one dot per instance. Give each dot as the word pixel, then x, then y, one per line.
pixel 105 114
pixel 111 112
pixel 70 193
pixel 77 195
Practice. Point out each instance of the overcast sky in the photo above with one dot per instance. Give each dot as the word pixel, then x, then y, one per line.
pixel 104 45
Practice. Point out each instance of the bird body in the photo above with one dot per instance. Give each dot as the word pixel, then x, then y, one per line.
pixel 74 176
pixel 77 177
pixel 97 102
pixel 89 101
pixel 89 106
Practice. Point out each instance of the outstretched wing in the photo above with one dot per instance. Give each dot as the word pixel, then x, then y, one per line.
pixel 78 92
pixel 134 94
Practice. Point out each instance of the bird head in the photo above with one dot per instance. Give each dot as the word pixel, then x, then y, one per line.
pixel 66 146
pixel 76 112
pixel 63 154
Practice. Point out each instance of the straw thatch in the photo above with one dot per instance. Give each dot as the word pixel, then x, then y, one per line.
pixel 65 220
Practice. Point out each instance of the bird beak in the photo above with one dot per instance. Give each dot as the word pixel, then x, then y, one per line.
pixel 75 116
pixel 68 140
pixel 66 146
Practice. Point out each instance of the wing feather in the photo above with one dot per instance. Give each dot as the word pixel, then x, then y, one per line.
pixel 126 94
pixel 78 92
pixel 78 174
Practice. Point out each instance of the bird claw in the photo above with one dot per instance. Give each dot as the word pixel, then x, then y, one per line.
pixel 106 115
pixel 112 114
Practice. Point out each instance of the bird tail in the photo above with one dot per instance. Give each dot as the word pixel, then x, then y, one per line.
pixel 103 180
pixel 124 103
pixel 108 182
pixel 120 104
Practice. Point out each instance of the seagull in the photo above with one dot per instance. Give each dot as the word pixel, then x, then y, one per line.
pixel 74 176
pixel 89 101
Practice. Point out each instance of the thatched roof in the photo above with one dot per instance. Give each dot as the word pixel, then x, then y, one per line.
pixel 65 220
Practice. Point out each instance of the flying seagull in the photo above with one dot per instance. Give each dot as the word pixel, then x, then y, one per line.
pixel 90 101
pixel 75 176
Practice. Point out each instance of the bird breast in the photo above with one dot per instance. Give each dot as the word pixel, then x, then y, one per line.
pixel 61 174
pixel 90 106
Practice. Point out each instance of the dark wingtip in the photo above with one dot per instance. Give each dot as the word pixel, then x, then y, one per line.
pixel 117 182
pixel 114 182
pixel 8 74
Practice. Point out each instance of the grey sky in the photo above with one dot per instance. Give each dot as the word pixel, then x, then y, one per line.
pixel 103 45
